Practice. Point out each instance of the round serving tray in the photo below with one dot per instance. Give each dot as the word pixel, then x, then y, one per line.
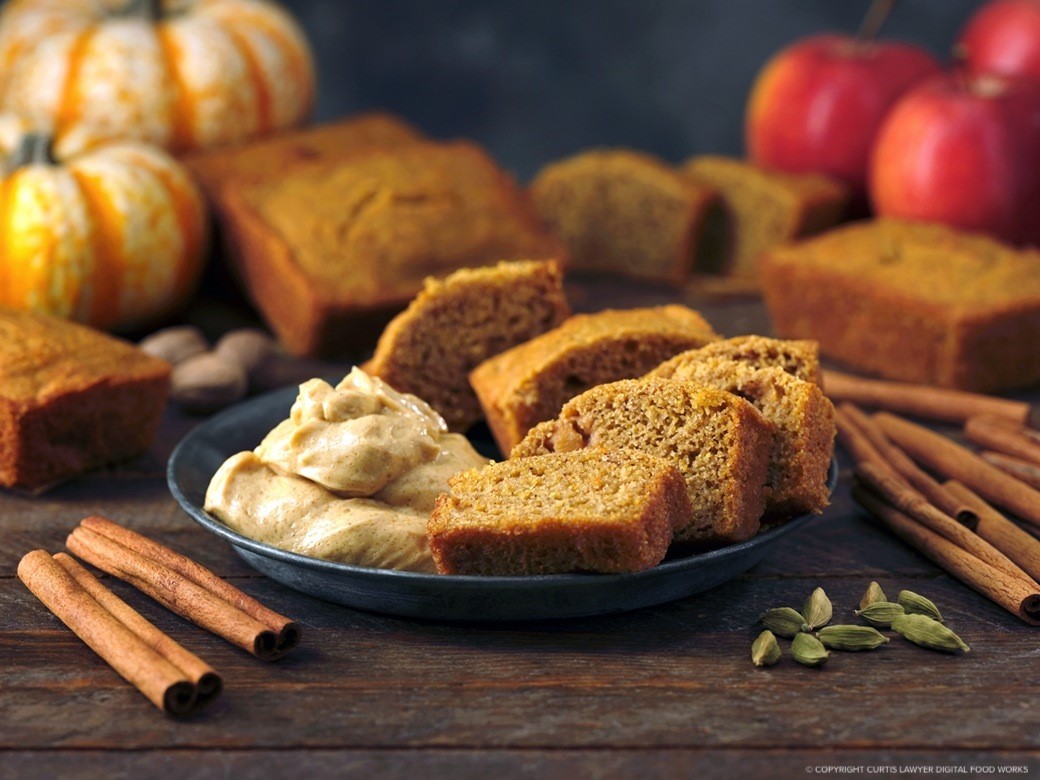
pixel 435 596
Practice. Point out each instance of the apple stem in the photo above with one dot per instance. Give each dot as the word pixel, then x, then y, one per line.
pixel 875 19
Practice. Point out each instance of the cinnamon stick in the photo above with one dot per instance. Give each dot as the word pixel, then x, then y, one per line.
pixel 206 681
pixel 166 686
pixel 911 503
pixel 907 469
pixel 994 433
pixel 954 461
pixel 853 439
pixel 185 587
pixel 922 400
pixel 1014 595
pixel 1015 467
pixel 996 529
pixel 288 631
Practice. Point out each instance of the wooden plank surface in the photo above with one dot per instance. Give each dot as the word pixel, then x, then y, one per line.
pixel 710 764
pixel 658 691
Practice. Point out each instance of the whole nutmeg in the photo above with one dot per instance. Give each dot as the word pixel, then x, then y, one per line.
pixel 206 383
pixel 247 347
pixel 175 345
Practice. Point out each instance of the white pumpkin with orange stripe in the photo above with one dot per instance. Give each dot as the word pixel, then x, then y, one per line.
pixel 113 238
pixel 184 74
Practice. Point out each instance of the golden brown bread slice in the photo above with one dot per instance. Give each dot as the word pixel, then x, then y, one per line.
pixel 624 212
pixel 455 324
pixel 804 419
pixel 591 510
pixel 530 382
pixel 719 442
pixel 798 358
pixel 759 209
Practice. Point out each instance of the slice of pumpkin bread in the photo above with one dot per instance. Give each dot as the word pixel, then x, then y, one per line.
pixel 456 323
pixel 624 212
pixel 804 419
pixel 591 510
pixel 719 442
pixel 529 383
pixel 800 358
pixel 760 209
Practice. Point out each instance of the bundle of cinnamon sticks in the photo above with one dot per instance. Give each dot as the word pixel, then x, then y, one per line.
pixel 955 522
pixel 172 678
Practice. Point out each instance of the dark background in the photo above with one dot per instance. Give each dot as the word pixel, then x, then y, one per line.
pixel 534 80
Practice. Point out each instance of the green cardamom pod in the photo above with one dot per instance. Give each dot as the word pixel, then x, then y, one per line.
pixel 914 604
pixel 880 614
pixel 926 632
pixel 817 610
pixel 851 637
pixel 808 650
pixel 765 651
pixel 783 621
pixel 873 594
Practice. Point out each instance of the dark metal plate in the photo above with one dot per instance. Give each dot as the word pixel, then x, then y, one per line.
pixel 433 596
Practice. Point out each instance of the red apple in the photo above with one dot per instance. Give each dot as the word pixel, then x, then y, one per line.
pixel 817 105
pixel 1003 37
pixel 963 150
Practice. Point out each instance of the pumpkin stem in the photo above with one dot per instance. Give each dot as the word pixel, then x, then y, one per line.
pixel 34 149
pixel 150 10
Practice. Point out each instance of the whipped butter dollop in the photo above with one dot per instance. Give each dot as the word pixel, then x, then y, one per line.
pixel 351 476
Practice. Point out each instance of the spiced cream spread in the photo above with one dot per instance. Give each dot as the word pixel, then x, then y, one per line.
pixel 351 476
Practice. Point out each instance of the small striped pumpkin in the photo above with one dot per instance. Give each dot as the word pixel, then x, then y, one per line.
pixel 113 237
pixel 183 74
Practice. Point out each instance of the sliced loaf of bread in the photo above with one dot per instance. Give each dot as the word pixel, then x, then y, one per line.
pixel 804 419
pixel 719 442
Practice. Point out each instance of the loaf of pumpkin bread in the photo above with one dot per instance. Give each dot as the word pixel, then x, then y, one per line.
pixel 457 323
pixel 624 212
pixel 72 399
pixel 719 442
pixel 329 253
pixel 912 301
pixel 266 158
pixel 591 510
pixel 530 382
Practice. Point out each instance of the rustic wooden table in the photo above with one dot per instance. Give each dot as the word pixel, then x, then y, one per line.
pixel 662 692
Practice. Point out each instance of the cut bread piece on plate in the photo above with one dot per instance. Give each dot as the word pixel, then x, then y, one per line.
pixel 530 383
pixel 804 417
pixel 719 442
pixel 457 323
pixel 590 510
